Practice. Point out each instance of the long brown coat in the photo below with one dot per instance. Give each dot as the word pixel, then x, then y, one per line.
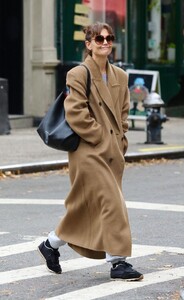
pixel 96 220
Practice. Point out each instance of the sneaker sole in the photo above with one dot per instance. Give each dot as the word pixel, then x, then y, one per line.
pixel 46 262
pixel 128 279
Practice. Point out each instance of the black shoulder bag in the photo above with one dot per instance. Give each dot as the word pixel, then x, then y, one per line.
pixel 54 129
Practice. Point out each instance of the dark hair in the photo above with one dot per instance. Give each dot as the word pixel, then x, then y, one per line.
pixel 92 30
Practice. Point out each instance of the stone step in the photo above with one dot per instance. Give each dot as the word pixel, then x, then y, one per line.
pixel 20 121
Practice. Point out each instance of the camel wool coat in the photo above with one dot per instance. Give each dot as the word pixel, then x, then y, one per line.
pixel 96 219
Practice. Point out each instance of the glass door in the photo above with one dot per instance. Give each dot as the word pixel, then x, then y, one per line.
pixel 161 34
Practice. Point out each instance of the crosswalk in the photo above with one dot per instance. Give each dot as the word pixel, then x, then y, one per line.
pixel 112 288
pixel 107 288
pixel 83 263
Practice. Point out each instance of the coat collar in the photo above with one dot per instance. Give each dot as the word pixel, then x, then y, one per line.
pixel 108 93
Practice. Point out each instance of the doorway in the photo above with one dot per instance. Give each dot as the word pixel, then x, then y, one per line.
pixel 11 52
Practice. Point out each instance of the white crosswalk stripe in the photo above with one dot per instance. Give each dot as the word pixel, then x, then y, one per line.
pixel 138 250
pixel 129 204
pixel 20 248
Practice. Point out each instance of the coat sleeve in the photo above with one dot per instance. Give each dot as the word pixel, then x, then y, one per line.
pixel 125 110
pixel 124 114
pixel 122 78
pixel 76 108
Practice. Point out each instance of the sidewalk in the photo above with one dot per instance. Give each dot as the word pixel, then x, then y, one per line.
pixel 23 147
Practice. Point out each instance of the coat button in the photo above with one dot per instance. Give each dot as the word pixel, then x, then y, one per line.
pixel 110 160
pixel 100 103
pixel 111 131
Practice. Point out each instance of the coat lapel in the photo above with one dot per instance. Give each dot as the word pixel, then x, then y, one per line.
pixel 108 93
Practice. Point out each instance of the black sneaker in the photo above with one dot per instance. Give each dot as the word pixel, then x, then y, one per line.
pixel 51 256
pixel 124 270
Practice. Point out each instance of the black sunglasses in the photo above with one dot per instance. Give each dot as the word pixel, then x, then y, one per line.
pixel 99 39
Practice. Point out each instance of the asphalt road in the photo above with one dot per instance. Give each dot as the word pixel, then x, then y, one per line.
pixel 31 206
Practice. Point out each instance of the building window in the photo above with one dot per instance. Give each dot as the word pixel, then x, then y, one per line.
pixel 161 31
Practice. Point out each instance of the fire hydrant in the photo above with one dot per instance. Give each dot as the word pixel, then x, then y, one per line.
pixel 155 118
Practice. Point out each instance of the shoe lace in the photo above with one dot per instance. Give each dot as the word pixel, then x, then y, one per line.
pixel 124 263
pixel 127 264
pixel 54 256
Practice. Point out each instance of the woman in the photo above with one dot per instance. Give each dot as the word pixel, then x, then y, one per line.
pixel 96 222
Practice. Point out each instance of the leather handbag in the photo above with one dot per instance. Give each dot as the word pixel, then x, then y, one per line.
pixel 54 129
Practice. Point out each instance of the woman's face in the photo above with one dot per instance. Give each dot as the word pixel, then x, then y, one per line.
pixel 99 46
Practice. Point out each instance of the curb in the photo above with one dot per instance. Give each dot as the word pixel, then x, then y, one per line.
pixel 136 157
pixel 59 164
pixel 34 167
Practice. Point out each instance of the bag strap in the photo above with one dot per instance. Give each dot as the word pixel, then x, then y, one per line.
pixel 88 88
